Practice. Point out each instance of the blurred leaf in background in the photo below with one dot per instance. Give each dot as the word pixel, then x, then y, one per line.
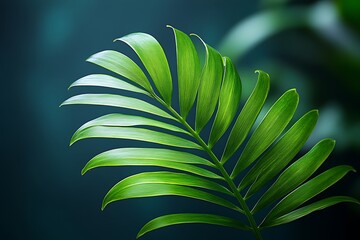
pixel 317 50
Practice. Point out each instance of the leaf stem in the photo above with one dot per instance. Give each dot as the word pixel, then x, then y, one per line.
pixel 247 212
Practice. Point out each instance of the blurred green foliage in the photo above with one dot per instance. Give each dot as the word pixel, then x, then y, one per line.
pixel 318 46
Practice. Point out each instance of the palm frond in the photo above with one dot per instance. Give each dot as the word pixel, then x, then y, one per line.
pixel 267 155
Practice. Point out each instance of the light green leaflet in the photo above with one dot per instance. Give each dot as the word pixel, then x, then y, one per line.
pixel 268 130
pixel 112 100
pixel 188 71
pixel 122 120
pixel 180 179
pixel 181 218
pixel 153 57
pixel 133 134
pixel 297 173
pixel 229 100
pixel 248 115
pixel 152 157
pixel 102 80
pixel 155 154
pixel 301 212
pixel 121 191
pixel 193 169
pixel 209 90
pixel 122 65
pixel 307 191
pixel 281 153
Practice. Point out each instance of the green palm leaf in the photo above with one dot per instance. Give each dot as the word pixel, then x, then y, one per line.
pixel 190 174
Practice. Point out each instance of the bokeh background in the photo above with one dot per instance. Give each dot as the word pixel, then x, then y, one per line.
pixel 311 45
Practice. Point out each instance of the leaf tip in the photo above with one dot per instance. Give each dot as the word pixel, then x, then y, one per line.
pixel 293 90
pixel 116 39
pixel 258 71
pixel 140 233
pixel 89 59
pixel 63 103
pixel 294 94
pixel 103 205
pixel 195 35
pixel 106 201
pixel 315 111
pixel 72 140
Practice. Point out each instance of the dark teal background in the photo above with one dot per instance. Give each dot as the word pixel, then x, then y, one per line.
pixel 44 46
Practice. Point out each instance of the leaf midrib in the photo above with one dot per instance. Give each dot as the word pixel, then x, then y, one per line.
pixel 245 209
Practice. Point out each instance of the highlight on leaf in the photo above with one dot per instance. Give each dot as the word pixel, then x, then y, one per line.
pixel 266 163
